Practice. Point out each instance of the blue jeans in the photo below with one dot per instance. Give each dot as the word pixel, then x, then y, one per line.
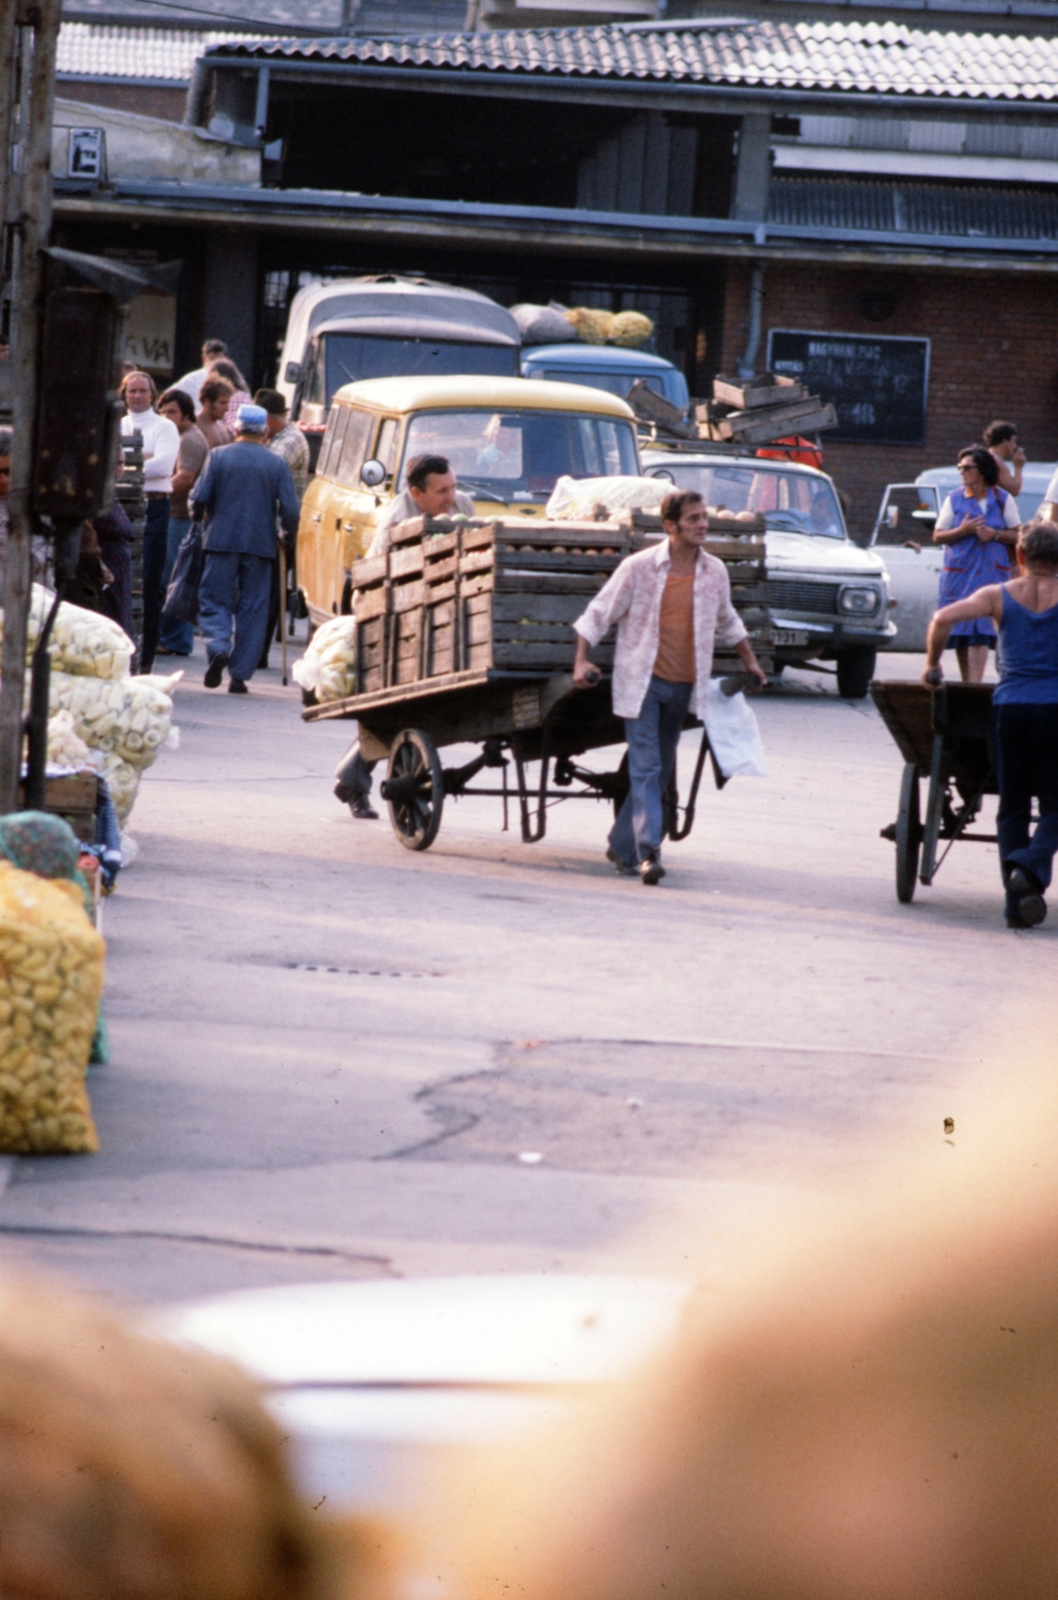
pixel 652 740
pixel 155 531
pixel 1025 739
pixel 233 608
pixel 177 636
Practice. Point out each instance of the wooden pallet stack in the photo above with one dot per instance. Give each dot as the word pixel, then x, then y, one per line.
pixel 503 595
pixel 761 410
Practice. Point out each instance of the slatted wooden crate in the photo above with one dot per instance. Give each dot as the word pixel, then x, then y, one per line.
pixel 503 595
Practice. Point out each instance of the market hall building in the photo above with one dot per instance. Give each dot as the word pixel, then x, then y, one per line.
pixel 868 204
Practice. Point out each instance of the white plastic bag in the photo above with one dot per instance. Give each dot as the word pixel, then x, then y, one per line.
pixel 575 498
pixel 734 736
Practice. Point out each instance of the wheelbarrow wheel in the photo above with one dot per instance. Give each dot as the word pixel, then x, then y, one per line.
pixel 414 789
pixel 908 835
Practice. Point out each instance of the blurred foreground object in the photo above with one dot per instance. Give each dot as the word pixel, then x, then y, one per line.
pixel 860 1407
pixel 131 1469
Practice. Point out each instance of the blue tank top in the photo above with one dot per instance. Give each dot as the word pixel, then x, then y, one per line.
pixel 1028 655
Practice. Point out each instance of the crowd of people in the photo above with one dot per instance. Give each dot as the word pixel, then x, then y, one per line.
pixel 245 510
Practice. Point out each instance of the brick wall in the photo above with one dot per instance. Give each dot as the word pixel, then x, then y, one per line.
pixel 994 354
pixel 146 99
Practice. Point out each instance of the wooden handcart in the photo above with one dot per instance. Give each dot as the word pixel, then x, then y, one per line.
pixel 464 635
pixel 944 736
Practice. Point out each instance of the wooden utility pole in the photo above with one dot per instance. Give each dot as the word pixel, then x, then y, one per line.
pixel 29 33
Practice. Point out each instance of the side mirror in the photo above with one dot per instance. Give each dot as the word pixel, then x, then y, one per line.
pixel 293 372
pixel 372 474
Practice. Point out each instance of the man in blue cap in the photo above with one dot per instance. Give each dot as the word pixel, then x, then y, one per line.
pixel 240 493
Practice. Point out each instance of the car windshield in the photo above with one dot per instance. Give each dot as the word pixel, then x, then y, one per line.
pixel 793 502
pixel 353 356
pixel 613 381
pixel 522 454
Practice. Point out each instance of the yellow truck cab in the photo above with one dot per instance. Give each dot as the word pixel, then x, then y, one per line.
pixel 509 440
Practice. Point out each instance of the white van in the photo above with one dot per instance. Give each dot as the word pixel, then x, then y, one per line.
pixel 903 537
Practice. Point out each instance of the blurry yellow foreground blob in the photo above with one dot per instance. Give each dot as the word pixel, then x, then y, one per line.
pixel 860 1406
pixel 51 979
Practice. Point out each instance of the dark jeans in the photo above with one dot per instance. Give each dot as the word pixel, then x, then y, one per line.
pixel 233 608
pixel 1026 750
pixel 353 774
pixel 652 740
pixel 155 534
pixel 175 636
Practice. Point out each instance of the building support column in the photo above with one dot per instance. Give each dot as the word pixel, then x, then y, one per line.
pixel 753 172
pixel 230 294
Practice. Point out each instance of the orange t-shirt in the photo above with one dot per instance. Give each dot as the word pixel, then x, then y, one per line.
pixel 675 660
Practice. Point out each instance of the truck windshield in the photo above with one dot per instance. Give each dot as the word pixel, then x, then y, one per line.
pixel 353 356
pixel 523 453
pixel 792 502
pixel 614 382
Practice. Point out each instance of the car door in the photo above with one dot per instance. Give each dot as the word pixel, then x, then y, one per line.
pixel 357 509
pixel 903 537
pixel 317 554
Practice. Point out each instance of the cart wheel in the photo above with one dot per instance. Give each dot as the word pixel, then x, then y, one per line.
pixel 414 789
pixel 908 836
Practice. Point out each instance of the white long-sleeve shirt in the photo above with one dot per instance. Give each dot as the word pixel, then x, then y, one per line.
pixel 161 441
pixel 631 597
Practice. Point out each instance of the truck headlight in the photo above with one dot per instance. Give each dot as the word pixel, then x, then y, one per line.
pixel 859 602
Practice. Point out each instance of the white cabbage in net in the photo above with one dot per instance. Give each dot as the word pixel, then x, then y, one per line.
pixel 82 642
pixel 576 499
pixel 328 667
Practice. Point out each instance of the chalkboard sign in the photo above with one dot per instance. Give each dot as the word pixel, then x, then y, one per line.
pixel 877 385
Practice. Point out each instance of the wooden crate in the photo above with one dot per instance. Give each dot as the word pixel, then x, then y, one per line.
pixel 74 798
pixel 372 655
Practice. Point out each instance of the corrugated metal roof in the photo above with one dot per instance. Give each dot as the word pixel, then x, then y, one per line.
pixel 914 208
pixel 871 57
pixel 167 55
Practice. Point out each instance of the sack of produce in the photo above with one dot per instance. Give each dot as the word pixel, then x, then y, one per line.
pixel 542 324
pixel 592 325
pixel 90 645
pixel 66 748
pixel 130 717
pixel 328 667
pixel 51 978
pixel 82 642
pixel 123 781
pixel 630 328
pixel 576 499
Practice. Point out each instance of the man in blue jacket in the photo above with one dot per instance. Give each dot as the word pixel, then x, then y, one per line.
pixel 240 492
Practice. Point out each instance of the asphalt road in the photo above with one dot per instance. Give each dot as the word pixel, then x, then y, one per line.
pixel 333 1058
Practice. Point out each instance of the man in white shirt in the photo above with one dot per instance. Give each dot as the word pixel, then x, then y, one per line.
pixel 671 602
pixel 191 382
pixel 161 442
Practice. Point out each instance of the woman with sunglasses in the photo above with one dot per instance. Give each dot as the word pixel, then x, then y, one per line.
pixel 978 525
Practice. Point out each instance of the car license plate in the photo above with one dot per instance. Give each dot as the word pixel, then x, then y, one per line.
pixel 789 636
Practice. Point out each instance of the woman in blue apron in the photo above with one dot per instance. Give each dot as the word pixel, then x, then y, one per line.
pixel 978 524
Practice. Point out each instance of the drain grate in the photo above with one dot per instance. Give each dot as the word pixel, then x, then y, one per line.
pixel 356 972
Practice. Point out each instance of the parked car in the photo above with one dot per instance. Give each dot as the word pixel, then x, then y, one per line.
pixel 608 367
pixel 382 327
pixel 377 1385
pixel 509 441
pixel 903 536
pixel 829 599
